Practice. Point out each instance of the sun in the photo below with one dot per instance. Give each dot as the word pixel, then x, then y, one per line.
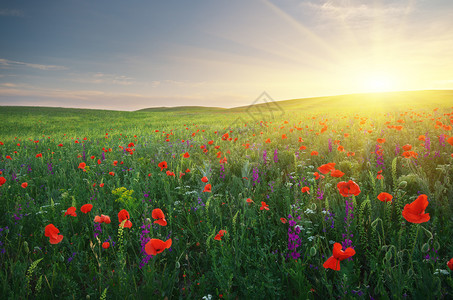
pixel 378 82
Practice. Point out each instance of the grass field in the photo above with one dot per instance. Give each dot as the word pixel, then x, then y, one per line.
pixel 254 200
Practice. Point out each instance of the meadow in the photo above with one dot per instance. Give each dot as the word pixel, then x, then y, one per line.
pixel 348 198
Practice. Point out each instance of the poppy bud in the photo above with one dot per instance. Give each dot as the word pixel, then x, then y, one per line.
pixel 425 247
pixel 312 251
pixel 88 297
pixel 26 247
pixel 402 184
pixel 178 265
pixel 313 206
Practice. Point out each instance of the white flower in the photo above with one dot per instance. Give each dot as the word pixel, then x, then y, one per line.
pixel 309 211
pixel 441 271
pixel 311 238
pixel 208 297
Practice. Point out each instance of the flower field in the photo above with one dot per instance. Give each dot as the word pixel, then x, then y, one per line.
pixel 333 203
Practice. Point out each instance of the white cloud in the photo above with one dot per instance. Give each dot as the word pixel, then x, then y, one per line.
pixel 6 63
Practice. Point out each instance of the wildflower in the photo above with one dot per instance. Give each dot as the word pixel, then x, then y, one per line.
pixel 415 212
pixel 283 220
pixel 158 214
pixel 349 188
pixel 24 185
pixel 102 219
pixel 124 215
pixel 82 165
pixel 2 180
pixel 338 255
pixel 52 233
pixel 71 212
pixel 305 189
pixel 86 208
pixel 264 206
pixel 450 264
pixel 336 173
pixel 249 200
pixel 219 235
pixel 385 197
pixel 207 188
pixel 155 246
pixel 162 165
pixel 105 245
pixel 204 179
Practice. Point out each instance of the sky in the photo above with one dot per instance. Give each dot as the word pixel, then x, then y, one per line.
pixel 129 55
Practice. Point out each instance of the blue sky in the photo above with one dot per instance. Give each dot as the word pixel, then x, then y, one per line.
pixel 129 55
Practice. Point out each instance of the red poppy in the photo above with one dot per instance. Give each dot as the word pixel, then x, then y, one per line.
pixel 181 174
pixel 52 233
pixel 155 246
pixel 219 235
pixel 336 173
pixel 450 140
pixel 249 200
pixel 131 145
pixel 105 245
pixel 40 155
pixel 60 145
pixel 71 212
pixel 338 255
pixel 162 165
pixel 379 175
pixel 302 147
pixel 82 165
pixel 115 162
pixel 450 264
pixel 101 185
pixel 264 206
pixel 314 153
pixel 407 147
pixel 24 185
pixel 283 220
pixel 381 141
pixel 385 197
pixel 86 208
pixel 204 179
pixel 102 219
pixel 207 188
pixel 170 173
pixel 186 155
pixel 421 138
pixel 284 136
pixel 349 188
pixel 159 215
pixel 2 180
pixel 415 212
pixel 305 189
pixel 324 169
pixel 124 215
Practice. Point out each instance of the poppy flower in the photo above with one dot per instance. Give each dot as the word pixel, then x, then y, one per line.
pixel 305 189
pixel 283 220
pixel 52 233
pixel 415 212
pixel 40 155
pixel 338 255
pixel 204 179
pixel 82 165
pixel 379 175
pixel 314 153
pixel 264 206
pixel 155 246
pixel 115 163
pixel 407 147
pixel 24 185
pixel 381 141
pixel 324 169
pixel 102 219
pixel 336 173
pixel 86 208
pixel 207 188
pixel 450 264
pixel 124 215
pixel 186 155
pixel 170 173
pixel 219 235
pixel 159 215
pixel 71 212
pixel 450 140
pixel 162 165
pixel 101 185
pixel 385 197
pixel 249 200
pixel 2 181
pixel 349 188
pixel 105 245
pixel 302 147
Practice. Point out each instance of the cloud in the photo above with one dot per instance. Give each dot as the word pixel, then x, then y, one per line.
pixel 6 63
pixel 11 12
pixel 102 78
pixel 360 10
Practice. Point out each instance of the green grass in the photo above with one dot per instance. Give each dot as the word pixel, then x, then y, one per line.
pixel 394 258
